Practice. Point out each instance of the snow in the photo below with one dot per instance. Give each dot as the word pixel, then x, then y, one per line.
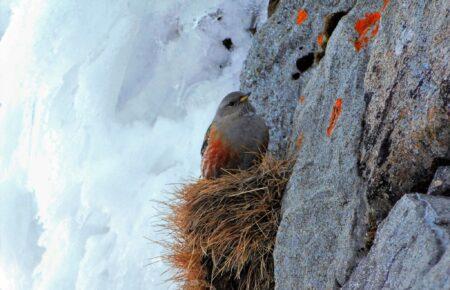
pixel 103 108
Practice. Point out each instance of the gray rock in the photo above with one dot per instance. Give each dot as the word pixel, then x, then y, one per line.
pixel 406 125
pixel 441 182
pixel 411 249
pixel 325 212
pixel 271 63
pixel 388 138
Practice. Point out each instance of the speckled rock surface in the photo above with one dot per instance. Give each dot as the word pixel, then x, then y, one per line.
pixel 271 63
pixel 366 123
pixel 407 132
pixel 441 182
pixel 411 249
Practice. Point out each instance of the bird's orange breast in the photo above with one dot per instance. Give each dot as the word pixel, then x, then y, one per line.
pixel 217 155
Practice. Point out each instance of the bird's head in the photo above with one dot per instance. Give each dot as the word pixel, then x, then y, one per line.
pixel 235 103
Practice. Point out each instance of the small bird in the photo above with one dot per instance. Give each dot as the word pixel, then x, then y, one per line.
pixel 235 138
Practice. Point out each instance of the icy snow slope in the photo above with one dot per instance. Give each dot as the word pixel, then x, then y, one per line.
pixel 103 105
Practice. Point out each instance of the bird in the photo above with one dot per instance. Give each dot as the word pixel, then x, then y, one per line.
pixel 236 138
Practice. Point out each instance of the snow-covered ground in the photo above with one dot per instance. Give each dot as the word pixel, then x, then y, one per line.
pixel 103 106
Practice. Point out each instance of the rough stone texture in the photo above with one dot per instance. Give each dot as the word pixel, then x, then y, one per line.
pixel 407 130
pixel 441 182
pixel 324 210
pixel 272 60
pixel 411 249
pixel 392 134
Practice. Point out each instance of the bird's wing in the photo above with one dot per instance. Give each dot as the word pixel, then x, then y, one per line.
pixel 205 140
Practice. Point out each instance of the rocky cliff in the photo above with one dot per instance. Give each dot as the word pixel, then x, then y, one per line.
pixel 358 93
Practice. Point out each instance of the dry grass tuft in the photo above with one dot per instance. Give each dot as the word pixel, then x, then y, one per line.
pixel 223 230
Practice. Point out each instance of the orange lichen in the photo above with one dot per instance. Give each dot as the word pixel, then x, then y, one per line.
pixel 299 142
pixel 301 99
pixel 367 28
pixel 302 16
pixel 337 110
pixel 320 39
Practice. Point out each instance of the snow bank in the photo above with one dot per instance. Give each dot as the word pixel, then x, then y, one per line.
pixel 103 106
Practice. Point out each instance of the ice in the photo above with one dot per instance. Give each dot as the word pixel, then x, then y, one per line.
pixel 103 108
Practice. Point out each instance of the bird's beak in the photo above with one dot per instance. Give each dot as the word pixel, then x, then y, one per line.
pixel 244 98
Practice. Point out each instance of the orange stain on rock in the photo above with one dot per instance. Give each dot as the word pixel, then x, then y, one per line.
pixel 301 16
pixel 337 110
pixel 320 39
pixel 299 142
pixel 367 28
pixel 301 99
pixel 385 4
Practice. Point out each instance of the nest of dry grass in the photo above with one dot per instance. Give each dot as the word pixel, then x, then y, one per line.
pixel 223 230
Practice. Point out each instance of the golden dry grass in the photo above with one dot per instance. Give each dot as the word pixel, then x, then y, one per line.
pixel 223 230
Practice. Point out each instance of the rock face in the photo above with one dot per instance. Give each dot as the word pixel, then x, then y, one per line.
pixel 441 182
pixel 406 128
pixel 411 250
pixel 362 103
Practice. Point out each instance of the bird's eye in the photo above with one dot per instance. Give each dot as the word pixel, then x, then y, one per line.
pixel 231 104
